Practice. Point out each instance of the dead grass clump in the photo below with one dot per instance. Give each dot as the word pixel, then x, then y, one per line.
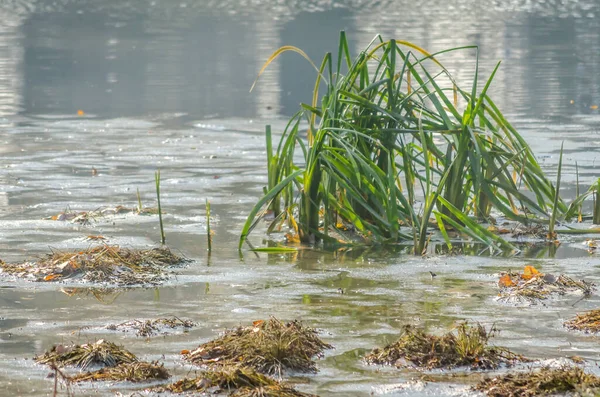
pixel 101 352
pixel 241 381
pixel 148 328
pixel 468 346
pixel 134 372
pixel 100 264
pixel 587 322
pixel 541 382
pixel 267 346
pixel 86 217
pixel 532 286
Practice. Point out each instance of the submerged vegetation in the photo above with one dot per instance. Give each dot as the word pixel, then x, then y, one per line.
pixel 267 346
pixel 395 149
pixel 546 381
pixel 467 346
pixel 99 264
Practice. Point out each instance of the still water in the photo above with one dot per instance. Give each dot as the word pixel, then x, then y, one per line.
pixel 165 84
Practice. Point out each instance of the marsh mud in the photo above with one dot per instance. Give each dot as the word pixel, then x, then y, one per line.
pixel 151 98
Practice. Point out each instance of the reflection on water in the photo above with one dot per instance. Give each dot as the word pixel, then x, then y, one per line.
pixel 138 57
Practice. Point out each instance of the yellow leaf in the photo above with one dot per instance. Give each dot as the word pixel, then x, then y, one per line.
pixel 529 273
pixel 505 281
pixel 292 238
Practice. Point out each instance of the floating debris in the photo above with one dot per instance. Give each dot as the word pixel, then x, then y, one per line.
pixel 532 286
pixel 587 322
pixel 468 346
pixel 132 372
pixel 86 217
pixel 541 382
pixel 267 346
pixel 101 352
pixel 99 264
pixel 244 381
pixel 148 328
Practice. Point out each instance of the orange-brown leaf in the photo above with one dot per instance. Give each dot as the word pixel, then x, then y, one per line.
pixel 51 277
pixel 258 323
pixel 505 281
pixel 185 351
pixel 529 272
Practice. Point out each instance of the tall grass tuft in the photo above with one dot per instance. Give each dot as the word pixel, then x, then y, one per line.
pixel 392 142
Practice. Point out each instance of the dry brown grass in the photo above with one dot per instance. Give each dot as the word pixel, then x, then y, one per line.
pixel 467 346
pixel 267 346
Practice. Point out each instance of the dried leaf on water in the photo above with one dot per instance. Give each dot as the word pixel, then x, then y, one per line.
pixel 101 352
pixel 268 346
pixel 467 346
pixel 541 382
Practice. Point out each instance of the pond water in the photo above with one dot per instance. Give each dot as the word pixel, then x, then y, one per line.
pixel 164 85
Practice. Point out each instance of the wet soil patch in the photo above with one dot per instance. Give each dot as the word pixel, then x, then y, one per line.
pixel 544 381
pixel 466 346
pixel 587 322
pixel 100 353
pixel 87 217
pixel 147 328
pixel 267 346
pixel 99 264
pixel 531 286
pixel 239 381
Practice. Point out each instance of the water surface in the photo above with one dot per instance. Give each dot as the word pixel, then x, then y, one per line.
pixel 165 85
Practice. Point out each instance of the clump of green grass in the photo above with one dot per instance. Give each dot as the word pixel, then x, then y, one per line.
pixel 267 346
pixel 132 372
pixel 466 346
pixel 395 143
pixel 546 381
pixel 239 380
pixel 101 263
pixel 101 352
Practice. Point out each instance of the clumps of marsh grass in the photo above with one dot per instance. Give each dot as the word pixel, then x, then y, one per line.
pixel 541 382
pixel 147 328
pixel 241 381
pixel 133 372
pixel 466 346
pixel 267 346
pixel 101 352
pixel 86 217
pixel 532 286
pixel 100 264
pixel 587 322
